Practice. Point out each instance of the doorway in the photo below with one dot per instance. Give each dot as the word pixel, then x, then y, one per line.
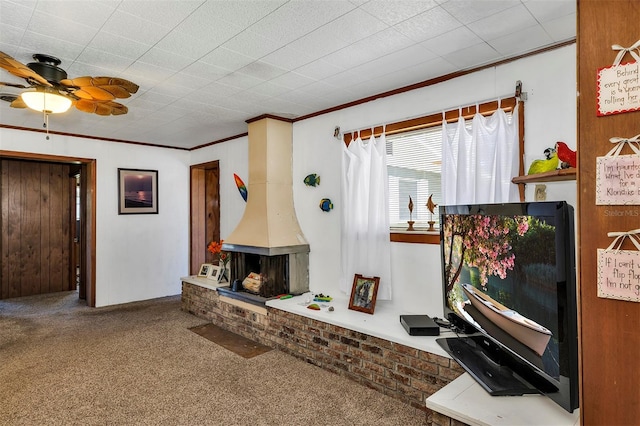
pixel 205 213
pixel 43 198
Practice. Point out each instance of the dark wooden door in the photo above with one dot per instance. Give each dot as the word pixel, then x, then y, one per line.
pixel 205 212
pixel 35 206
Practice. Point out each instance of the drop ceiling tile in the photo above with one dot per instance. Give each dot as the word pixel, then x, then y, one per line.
pixel 16 14
pixel 297 18
pixel 395 11
pixel 503 23
pixel 210 32
pixel 135 28
pixel 352 76
pixel 368 49
pixel 429 24
pixel 152 74
pixel 563 28
pixel 468 11
pixel 288 58
pixel 522 41
pixel 320 42
pixel 262 70
pixel 178 43
pixel 240 13
pixel 252 44
pixel 241 81
pixel 227 59
pixel 37 43
pixel 355 25
pixel 89 13
pixel 104 59
pixel 549 10
pixel 292 80
pixel 118 45
pixel 166 13
pixel 268 89
pixel 188 83
pixel 204 70
pixel 162 58
pixel 472 56
pixel 457 39
pixel 12 35
pixel 427 70
pixel 56 27
pixel 320 69
pixel 218 89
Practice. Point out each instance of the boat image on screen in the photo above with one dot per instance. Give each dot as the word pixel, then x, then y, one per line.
pixel 519 327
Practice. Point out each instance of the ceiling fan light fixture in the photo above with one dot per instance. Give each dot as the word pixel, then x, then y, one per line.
pixel 47 101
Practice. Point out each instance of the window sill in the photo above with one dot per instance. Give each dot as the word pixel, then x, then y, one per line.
pixel 416 237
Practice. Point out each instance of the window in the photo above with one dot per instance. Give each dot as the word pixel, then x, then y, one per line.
pixel 413 165
pixel 414 160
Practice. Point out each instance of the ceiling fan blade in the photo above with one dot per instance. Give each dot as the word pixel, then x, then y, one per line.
pixel 94 93
pixel 101 107
pixel 117 87
pixel 20 70
pixel 18 103
pixel 19 86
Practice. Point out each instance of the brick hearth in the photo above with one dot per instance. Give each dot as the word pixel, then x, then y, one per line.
pixel 402 372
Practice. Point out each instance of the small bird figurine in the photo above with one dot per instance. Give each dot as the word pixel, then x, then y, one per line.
pixel 550 163
pixel 566 155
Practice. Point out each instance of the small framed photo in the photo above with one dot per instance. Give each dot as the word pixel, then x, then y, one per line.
pixel 214 273
pixel 364 293
pixel 204 270
pixel 137 191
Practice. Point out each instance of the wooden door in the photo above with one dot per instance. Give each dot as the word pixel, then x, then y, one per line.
pixel 205 212
pixel 35 208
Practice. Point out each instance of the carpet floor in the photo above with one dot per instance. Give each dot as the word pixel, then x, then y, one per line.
pixel 62 363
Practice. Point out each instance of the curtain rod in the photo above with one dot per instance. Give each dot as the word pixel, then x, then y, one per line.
pixel 435 119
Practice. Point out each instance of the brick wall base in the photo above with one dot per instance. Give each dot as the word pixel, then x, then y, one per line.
pixel 400 371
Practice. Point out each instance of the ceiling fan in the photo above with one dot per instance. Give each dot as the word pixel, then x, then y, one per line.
pixel 50 91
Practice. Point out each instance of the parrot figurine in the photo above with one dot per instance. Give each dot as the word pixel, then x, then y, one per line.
pixel 566 155
pixel 550 163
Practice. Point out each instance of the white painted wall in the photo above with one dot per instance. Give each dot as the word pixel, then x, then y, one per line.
pixel 137 256
pixel 550 115
pixel 142 257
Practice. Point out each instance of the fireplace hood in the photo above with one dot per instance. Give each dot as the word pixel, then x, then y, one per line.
pixel 269 225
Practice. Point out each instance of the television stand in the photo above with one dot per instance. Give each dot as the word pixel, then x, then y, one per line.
pixel 485 367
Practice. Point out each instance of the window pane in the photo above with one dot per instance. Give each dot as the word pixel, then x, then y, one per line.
pixel 413 165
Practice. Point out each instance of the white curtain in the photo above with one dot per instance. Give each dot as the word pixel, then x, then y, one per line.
pixel 365 245
pixel 478 165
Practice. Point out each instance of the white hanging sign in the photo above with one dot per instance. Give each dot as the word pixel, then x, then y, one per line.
pixel 619 85
pixel 619 270
pixel 618 176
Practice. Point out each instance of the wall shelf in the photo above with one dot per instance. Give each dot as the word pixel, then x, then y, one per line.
pixel 553 176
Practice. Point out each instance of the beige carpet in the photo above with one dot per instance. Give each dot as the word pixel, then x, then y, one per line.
pixel 62 363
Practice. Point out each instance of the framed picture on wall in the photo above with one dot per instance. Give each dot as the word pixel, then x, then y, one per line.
pixel 137 191
pixel 364 293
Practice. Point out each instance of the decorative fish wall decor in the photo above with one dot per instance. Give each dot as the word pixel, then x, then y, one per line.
pixel 326 205
pixel 312 180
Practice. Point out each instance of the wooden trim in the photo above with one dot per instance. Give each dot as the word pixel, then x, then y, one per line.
pixel 432 120
pixel 76 135
pixel 417 238
pixel 521 148
pixel 272 116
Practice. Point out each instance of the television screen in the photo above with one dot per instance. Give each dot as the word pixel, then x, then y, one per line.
pixel 509 271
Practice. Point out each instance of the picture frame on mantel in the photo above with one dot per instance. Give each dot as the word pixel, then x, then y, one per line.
pixel 364 293
pixel 204 270
pixel 137 191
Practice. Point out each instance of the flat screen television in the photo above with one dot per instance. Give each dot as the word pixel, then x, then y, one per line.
pixel 510 292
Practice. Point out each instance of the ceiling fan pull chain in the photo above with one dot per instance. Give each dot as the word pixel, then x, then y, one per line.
pixel 46 122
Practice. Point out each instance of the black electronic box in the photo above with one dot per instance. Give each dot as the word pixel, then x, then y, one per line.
pixel 419 325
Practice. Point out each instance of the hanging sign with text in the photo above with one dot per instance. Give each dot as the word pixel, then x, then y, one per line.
pixel 619 270
pixel 619 274
pixel 618 180
pixel 619 84
pixel 618 176
pixel 619 89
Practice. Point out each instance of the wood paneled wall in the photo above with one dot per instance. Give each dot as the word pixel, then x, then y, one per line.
pixel 610 329
pixel 36 217
pixel 205 213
